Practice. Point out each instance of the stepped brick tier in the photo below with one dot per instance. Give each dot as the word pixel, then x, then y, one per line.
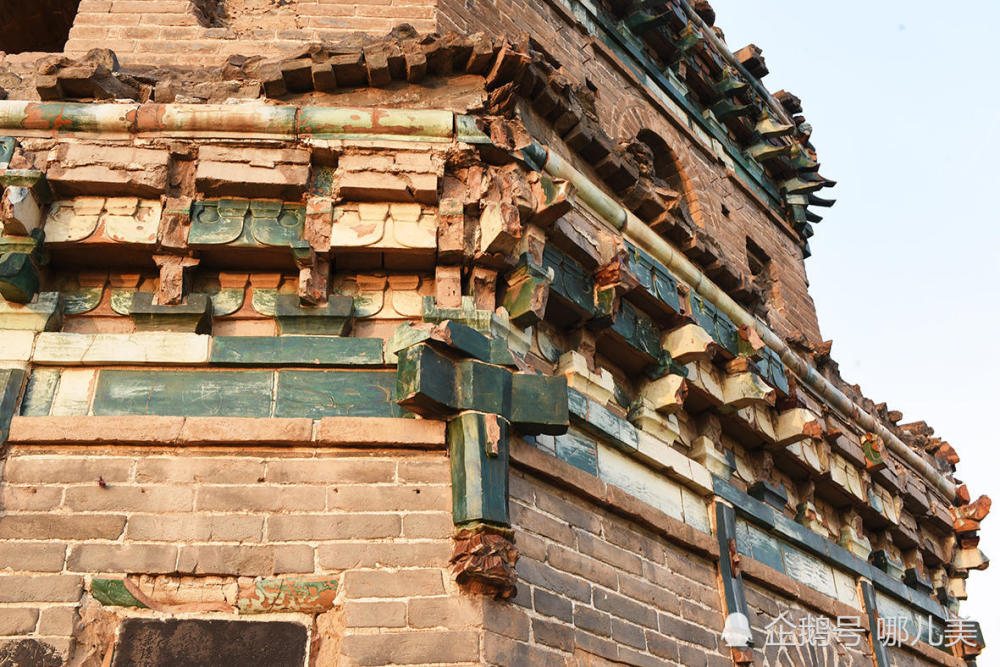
pixel 436 331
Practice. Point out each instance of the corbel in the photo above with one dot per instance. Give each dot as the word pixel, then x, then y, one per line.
pixel 553 200
pixel 527 294
pixel 874 450
pixel 20 211
pixel 806 513
pixel 20 260
pixel 852 534
pixel 741 389
pixel 499 232
pixel 967 517
pixel 915 574
pixel 597 384
pixel 482 403
pixel 764 489
pixel 885 557
pixel 689 343
pixel 796 424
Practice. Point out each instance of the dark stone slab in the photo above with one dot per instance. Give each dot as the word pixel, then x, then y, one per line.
pixel 184 393
pixel 28 653
pixel 146 642
pixel 11 380
pixel 345 393
pixel 297 350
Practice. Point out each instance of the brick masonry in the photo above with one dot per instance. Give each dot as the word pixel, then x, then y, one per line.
pixel 595 586
pixel 379 523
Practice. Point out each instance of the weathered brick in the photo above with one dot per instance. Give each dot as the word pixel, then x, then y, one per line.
pixel 245 560
pixel 289 527
pixel 399 584
pixel 541 524
pixel 21 498
pixel 543 574
pixel 57 621
pixel 583 566
pixel 389 498
pixel 550 604
pixel 65 469
pixel 260 498
pixel 347 555
pixel 427 525
pixel 181 469
pixel 507 620
pixel 445 612
pixel 43 588
pixel 612 555
pixel 129 498
pixel 424 470
pixel 676 627
pixel 331 471
pixel 500 650
pixel 643 591
pixel 363 614
pixel 195 527
pixel 412 647
pixel 61 526
pixel 591 620
pixel 556 635
pixel 17 620
pixel 32 556
pixel 138 558
pixel 624 608
pixel 624 632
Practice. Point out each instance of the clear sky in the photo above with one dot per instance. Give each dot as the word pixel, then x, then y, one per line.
pixel 905 108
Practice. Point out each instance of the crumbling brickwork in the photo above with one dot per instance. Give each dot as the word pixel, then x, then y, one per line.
pixel 437 333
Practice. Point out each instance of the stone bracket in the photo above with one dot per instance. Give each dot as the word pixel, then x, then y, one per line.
pixel 335 317
pixel 195 316
pixel 435 385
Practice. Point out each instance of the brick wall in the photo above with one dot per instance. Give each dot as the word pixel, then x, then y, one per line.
pixel 624 108
pixel 595 586
pixel 178 32
pixel 380 522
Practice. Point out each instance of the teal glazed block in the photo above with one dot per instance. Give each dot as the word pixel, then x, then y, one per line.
pixel 426 381
pixel 577 451
pixel 184 393
pixel 480 460
pixel 342 393
pixel 195 316
pixel 296 350
pixel 540 404
pixel 40 391
pixel 333 319
pixel 11 380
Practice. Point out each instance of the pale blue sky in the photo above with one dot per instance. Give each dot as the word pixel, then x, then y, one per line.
pixel 905 109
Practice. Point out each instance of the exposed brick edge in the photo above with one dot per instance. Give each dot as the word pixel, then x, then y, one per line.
pixel 779 582
pixel 167 431
pixel 559 473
